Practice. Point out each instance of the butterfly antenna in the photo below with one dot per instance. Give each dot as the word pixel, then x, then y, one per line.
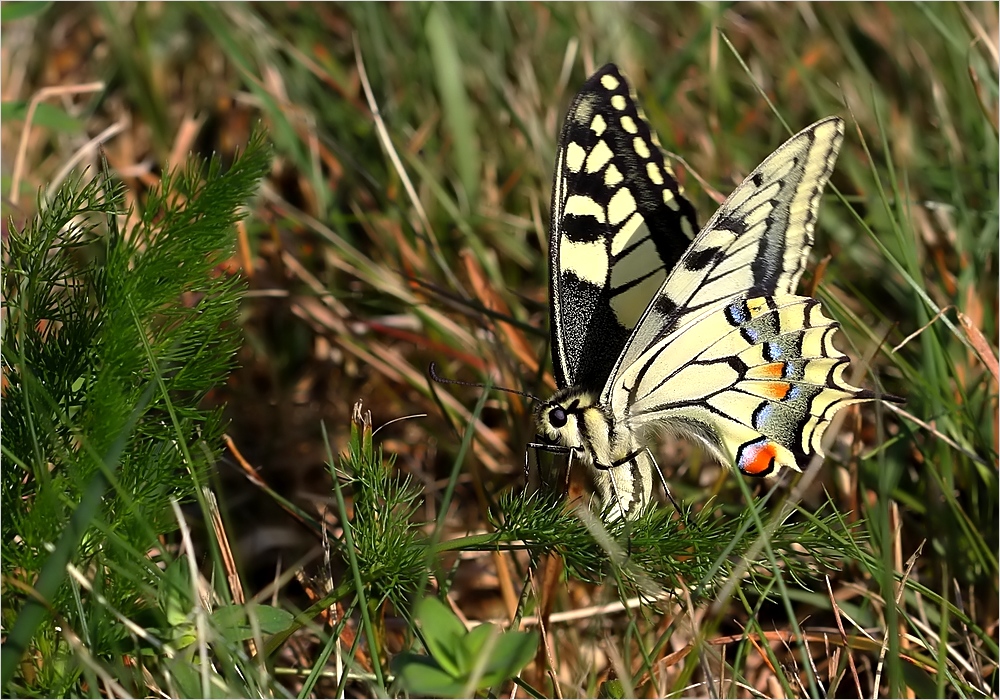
pixel 432 370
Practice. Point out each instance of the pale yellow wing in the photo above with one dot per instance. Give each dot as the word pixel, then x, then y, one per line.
pixel 756 380
pixel 726 352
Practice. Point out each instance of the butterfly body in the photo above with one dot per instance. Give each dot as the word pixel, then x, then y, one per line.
pixel 613 450
pixel 656 329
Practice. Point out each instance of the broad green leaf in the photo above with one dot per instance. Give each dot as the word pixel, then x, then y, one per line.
pixel 420 675
pixel 174 595
pixel 233 621
pixel 443 633
pixel 188 680
pixel 512 652
pixel 478 640
pixel 505 654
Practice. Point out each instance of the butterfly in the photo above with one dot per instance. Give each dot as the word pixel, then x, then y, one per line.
pixel 659 328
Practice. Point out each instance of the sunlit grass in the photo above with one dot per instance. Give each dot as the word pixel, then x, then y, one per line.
pixel 408 223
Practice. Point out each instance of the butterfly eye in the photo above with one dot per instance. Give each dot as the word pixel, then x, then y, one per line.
pixel 557 417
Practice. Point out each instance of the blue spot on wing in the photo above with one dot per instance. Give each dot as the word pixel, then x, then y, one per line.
pixel 762 415
pixel 737 313
pixel 773 351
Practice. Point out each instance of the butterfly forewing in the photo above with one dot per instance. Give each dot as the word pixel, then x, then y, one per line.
pixel 619 225
pixel 756 244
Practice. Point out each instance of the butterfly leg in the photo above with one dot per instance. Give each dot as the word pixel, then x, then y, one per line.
pixel 666 489
pixel 663 482
pixel 569 468
pixel 530 448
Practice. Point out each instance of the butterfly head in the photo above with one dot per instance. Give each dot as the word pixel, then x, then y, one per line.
pixel 574 419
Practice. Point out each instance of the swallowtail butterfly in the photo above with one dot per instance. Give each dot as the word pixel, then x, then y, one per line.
pixel 658 327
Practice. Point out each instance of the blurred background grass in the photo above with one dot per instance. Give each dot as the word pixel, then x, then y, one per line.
pixel 408 223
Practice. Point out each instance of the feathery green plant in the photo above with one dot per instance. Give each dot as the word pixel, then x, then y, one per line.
pixel 117 324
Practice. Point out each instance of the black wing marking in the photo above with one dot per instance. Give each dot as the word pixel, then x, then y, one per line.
pixel 619 224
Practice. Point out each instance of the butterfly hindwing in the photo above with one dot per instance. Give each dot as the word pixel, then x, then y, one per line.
pixel 725 351
pixel 619 224
pixel 757 379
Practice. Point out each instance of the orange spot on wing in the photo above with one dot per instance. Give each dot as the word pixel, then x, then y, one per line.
pixel 758 459
pixel 772 370
pixel 777 390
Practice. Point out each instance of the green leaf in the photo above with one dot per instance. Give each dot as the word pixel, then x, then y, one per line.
pixel 457 654
pixel 189 681
pixel 476 658
pixel 420 675
pixel 506 652
pixel 455 103
pixel 611 689
pixel 174 596
pixel 47 115
pixel 512 652
pixel 479 639
pixel 233 621
pixel 443 634
pixel 919 681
